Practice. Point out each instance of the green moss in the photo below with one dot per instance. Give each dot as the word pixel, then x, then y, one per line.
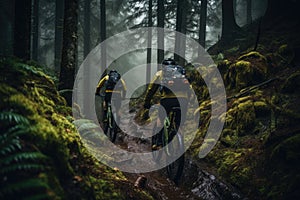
pixel 241 117
pixel 249 69
pixel 229 137
pixel 252 54
pixel 28 91
pixel 21 104
pixel 103 189
pixel 243 73
pixel 262 109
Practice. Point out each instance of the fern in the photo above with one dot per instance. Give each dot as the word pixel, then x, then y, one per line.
pixel 10 117
pixel 23 156
pixel 21 167
pixel 14 161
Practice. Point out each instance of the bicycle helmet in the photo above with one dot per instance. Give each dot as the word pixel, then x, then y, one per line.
pixel 113 71
pixel 169 61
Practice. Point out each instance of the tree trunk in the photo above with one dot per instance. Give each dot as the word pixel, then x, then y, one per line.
pixel 149 49
pixel 22 29
pixel 35 33
pixel 160 33
pixel 6 26
pixel 202 29
pixel 229 26
pixel 87 27
pixel 234 7
pixel 69 49
pixel 183 30
pixel 180 27
pixel 59 20
pixel 103 33
pixel 249 12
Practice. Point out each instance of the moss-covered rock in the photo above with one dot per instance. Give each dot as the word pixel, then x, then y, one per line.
pixel 72 173
pixel 249 69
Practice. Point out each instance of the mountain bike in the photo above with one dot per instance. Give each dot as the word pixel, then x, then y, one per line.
pixel 109 122
pixel 173 144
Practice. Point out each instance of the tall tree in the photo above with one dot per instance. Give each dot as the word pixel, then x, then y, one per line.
pixel 230 28
pixel 234 7
pixel 149 49
pixel 202 28
pixel 181 28
pixel 87 27
pixel 59 20
pixel 6 24
pixel 160 33
pixel 103 33
pixel 249 12
pixel 69 49
pixel 35 33
pixel 22 29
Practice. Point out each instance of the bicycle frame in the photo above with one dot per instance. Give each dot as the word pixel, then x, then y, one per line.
pixel 110 127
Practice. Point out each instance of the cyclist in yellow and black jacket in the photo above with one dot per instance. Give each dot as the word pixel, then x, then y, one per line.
pixel 171 95
pixel 114 90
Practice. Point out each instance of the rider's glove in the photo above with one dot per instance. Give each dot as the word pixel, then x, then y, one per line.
pixel 97 94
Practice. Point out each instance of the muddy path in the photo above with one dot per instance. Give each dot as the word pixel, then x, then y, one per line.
pixel 196 183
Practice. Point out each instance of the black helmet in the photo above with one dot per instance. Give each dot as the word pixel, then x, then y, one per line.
pixel 113 71
pixel 169 61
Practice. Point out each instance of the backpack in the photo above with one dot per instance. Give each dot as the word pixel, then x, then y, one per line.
pixel 113 78
pixel 174 78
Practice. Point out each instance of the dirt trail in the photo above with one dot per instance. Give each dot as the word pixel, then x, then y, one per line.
pixel 157 182
pixel 196 183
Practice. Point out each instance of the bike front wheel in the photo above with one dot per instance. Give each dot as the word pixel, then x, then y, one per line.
pixel 175 155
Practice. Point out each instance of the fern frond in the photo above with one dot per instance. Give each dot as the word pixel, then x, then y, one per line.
pixel 10 141
pixel 10 117
pixel 13 162
pixel 10 146
pixel 22 167
pixel 23 156
pixel 17 129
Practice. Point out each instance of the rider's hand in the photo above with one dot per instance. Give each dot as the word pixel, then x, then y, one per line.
pixel 97 94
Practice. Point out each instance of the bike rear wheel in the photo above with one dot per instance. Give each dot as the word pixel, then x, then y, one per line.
pixel 110 129
pixel 175 150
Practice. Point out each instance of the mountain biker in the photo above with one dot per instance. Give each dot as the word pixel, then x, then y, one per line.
pixel 168 100
pixel 114 90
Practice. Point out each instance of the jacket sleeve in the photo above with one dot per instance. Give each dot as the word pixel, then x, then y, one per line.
pixel 152 88
pixel 101 83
